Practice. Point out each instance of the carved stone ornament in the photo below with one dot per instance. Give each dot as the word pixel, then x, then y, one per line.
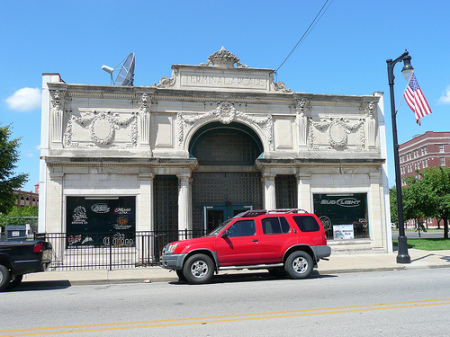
pixel 165 82
pixel 337 130
pixel 302 106
pixel 280 86
pixel 102 126
pixel 225 113
pixel 370 108
pixel 223 58
pixel 145 101
pixel 57 98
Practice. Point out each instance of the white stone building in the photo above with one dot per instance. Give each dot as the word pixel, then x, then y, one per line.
pixel 211 141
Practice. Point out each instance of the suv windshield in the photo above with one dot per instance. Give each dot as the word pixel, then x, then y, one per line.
pixel 216 230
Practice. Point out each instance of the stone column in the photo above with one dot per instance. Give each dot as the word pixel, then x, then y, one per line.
pixel 145 247
pixel 145 205
pixel 190 224
pixel 304 197
pixel 269 192
pixel 183 203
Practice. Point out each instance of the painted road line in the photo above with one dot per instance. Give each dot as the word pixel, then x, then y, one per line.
pixel 219 319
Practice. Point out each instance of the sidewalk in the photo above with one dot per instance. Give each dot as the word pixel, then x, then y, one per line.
pixel 420 259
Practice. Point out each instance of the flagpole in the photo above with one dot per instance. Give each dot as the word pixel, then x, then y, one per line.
pixel 403 256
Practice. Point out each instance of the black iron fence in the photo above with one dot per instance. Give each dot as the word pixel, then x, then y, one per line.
pixel 91 251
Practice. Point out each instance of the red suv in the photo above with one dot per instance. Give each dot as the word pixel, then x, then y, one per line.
pixel 288 241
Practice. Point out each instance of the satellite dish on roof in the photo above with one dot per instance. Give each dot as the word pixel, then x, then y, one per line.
pixel 126 71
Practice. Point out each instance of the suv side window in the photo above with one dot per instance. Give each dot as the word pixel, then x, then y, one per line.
pixel 242 228
pixel 307 223
pixel 275 226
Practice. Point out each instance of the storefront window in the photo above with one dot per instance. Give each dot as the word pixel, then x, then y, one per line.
pixel 101 222
pixel 344 216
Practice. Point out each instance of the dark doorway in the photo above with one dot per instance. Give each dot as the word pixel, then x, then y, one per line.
pixel 227 179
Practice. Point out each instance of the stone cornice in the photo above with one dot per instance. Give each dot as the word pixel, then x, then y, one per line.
pixel 331 162
pixel 165 94
pixel 53 161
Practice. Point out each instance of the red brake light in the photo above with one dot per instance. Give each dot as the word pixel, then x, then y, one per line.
pixel 38 248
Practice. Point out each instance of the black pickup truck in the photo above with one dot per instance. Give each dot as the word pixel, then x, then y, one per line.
pixel 22 257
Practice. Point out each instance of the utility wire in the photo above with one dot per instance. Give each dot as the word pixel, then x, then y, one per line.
pixel 310 28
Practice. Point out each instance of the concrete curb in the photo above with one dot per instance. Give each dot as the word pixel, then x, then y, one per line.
pixel 244 274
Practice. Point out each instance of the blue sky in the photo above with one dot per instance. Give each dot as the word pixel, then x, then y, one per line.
pixel 345 53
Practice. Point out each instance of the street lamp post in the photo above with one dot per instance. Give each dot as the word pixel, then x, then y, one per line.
pixel 403 256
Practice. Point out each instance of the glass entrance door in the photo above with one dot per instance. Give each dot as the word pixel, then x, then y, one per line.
pixel 214 215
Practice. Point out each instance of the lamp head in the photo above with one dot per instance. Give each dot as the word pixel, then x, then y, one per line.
pixel 407 69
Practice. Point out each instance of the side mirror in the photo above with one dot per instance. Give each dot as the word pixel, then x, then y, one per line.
pixel 225 234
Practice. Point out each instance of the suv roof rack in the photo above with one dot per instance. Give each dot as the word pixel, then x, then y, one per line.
pixel 258 212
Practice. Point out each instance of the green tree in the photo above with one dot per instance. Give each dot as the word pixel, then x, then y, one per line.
pixel 9 181
pixel 430 195
pixel 414 199
pixel 21 216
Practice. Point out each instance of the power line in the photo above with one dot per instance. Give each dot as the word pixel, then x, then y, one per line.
pixel 310 28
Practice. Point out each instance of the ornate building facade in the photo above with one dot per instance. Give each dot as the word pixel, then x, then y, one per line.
pixel 211 141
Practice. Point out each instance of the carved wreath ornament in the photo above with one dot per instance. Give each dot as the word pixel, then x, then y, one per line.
pixel 102 126
pixel 337 130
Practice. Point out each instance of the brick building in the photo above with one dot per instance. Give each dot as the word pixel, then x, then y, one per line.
pixel 428 150
pixel 27 198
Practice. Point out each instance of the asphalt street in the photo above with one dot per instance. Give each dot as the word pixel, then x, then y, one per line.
pixel 394 303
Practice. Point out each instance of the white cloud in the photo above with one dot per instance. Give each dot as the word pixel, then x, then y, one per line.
pixel 445 98
pixel 25 99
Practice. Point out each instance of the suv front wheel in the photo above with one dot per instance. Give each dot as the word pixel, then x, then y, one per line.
pixel 299 264
pixel 199 268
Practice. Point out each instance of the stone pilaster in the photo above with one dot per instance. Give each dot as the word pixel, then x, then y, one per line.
pixel 145 121
pixel 302 122
pixel 57 116
pixel 375 204
pixel 54 212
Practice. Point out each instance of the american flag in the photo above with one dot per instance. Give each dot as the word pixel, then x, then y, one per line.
pixel 416 100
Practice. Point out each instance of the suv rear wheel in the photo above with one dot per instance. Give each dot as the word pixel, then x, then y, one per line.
pixel 299 264
pixel 199 268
